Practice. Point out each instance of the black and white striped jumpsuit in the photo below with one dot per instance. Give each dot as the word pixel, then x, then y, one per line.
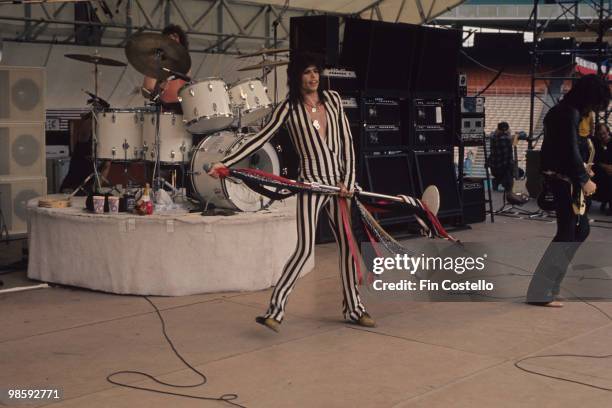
pixel 329 161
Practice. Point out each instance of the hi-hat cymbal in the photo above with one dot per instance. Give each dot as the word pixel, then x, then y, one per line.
pixel 148 53
pixel 264 64
pixel 96 59
pixel 265 51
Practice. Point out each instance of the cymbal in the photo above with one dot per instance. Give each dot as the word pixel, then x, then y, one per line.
pixel 141 50
pixel 95 59
pixel 264 64
pixel 265 51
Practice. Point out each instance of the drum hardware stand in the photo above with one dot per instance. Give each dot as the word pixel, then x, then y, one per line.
pixel 159 182
pixel 94 142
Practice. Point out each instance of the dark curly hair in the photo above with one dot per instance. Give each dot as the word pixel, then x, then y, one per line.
pixel 591 92
pixel 178 30
pixel 297 65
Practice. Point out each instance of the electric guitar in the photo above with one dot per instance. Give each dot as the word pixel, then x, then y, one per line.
pixel 578 199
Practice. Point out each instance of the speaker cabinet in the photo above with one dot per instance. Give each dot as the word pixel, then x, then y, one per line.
pixel 316 34
pixel 389 174
pixel 474 209
pixel 22 150
pixel 14 196
pixel 534 177
pixel 23 94
pixel 438 169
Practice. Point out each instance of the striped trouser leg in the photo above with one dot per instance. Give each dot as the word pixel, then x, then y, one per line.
pixel 351 305
pixel 308 207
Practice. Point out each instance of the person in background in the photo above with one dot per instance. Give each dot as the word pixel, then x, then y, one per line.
pixel 168 89
pixel 501 160
pixel 602 167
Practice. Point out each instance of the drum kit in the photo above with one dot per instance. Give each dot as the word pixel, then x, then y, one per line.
pixel 210 108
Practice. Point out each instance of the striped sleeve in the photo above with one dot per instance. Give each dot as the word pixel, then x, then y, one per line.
pixel 256 142
pixel 348 152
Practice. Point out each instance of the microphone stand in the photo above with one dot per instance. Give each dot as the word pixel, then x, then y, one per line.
pixel 275 24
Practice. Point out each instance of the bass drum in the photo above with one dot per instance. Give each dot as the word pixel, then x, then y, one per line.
pixel 230 193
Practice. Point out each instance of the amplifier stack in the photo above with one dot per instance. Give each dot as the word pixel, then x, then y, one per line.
pixel 402 109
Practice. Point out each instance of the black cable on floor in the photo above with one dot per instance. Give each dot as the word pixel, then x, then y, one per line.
pixel 554 377
pixel 226 398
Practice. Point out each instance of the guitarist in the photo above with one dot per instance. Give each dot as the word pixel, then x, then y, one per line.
pixel 567 178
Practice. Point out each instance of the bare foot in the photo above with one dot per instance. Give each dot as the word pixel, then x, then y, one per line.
pixel 553 303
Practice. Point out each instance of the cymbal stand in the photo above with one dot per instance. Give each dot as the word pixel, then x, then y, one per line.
pixel 94 155
pixel 157 181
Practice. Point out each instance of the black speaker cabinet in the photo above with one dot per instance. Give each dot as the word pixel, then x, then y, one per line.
pixel 389 174
pixel 534 177
pixel 437 168
pixel 474 209
pixel 317 34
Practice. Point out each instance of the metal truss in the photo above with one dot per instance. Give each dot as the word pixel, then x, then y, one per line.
pixel 595 30
pixel 213 26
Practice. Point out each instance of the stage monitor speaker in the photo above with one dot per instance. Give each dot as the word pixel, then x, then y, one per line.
pixel 317 34
pixel 14 196
pixel 438 169
pixel 389 174
pixel 23 94
pixel 22 150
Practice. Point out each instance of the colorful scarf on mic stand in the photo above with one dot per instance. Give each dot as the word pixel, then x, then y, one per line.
pixel 431 227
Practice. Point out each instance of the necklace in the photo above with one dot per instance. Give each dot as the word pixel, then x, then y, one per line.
pixel 313 108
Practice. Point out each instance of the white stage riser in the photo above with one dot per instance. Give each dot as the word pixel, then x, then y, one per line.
pixel 161 255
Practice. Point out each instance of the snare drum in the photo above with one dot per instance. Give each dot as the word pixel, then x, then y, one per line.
pixel 118 134
pixel 250 97
pixel 230 193
pixel 175 142
pixel 206 106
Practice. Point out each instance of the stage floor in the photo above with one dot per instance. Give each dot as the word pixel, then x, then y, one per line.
pixel 428 355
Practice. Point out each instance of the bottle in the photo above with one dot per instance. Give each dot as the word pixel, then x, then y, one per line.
pixel 145 205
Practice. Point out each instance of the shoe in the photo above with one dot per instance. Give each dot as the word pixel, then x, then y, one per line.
pixel 269 322
pixel 552 303
pixel 365 320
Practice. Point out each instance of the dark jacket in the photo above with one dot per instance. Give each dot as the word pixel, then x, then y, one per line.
pixel 560 152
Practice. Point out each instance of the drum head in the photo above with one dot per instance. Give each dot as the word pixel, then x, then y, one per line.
pixel 239 194
pixel 230 193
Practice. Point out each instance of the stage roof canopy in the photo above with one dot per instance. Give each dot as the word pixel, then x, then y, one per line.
pixel 401 11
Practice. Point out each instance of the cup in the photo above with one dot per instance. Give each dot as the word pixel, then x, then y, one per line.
pixel 98 204
pixel 113 204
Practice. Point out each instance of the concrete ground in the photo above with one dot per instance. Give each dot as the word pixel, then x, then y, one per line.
pixel 422 354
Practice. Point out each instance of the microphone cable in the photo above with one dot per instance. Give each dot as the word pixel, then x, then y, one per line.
pixel 225 398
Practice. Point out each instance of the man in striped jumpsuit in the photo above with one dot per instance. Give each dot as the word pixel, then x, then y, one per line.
pixel 321 135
